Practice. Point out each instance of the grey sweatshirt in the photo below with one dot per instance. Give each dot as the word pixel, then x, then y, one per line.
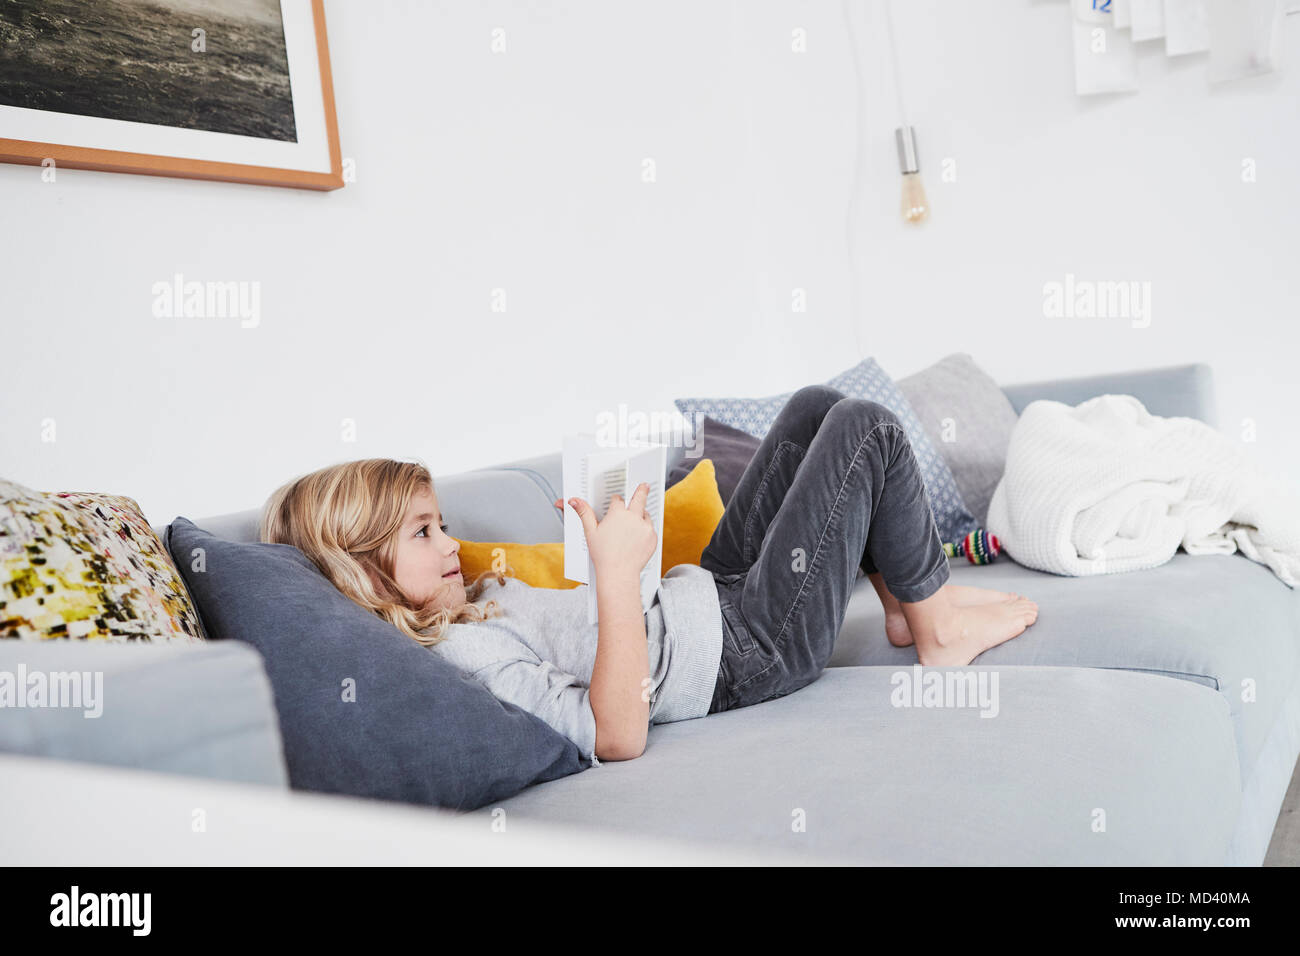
pixel 539 653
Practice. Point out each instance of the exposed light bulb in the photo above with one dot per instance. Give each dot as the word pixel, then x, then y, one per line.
pixel 915 207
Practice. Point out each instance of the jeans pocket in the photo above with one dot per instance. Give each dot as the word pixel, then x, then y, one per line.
pixel 736 629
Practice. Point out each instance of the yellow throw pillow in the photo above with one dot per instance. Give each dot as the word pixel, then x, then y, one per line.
pixel 541 565
pixel 692 509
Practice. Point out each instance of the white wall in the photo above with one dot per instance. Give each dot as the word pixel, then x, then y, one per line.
pixel 522 171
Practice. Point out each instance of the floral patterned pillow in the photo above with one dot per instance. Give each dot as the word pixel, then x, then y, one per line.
pixel 89 567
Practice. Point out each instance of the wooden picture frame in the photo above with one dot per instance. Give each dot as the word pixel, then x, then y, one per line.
pixel 325 170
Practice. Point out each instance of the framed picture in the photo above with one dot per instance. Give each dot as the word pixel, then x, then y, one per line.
pixel 236 90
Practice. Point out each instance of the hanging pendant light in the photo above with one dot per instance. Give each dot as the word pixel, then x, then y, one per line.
pixel 914 206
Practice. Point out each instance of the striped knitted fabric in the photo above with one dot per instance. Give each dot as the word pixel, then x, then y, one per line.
pixel 979 547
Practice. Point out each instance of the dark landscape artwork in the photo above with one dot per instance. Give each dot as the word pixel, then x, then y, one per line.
pixel 213 65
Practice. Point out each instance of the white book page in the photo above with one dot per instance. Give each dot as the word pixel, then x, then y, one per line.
pixel 575 449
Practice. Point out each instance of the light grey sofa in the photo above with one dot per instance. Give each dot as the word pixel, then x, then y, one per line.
pixel 1122 708
pixel 1121 736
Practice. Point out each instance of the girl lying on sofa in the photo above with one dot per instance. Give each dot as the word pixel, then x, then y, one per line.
pixel 833 487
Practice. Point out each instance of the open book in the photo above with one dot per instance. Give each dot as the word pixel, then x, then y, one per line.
pixel 595 473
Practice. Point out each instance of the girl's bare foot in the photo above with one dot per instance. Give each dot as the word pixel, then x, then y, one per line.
pixel 952 635
pixel 896 629
pixel 965 595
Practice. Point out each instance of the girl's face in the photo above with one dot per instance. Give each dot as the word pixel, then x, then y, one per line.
pixel 427 562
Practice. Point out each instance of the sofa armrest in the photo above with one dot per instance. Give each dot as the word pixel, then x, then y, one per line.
pixel 1172 391
pixel 202 710
pixel 75 815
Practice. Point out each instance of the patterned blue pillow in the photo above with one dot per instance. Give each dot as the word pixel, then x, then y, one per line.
pixel 865 380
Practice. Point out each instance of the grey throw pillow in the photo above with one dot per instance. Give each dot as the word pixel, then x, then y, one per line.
pixel 865 380
pixel 969 418
pixel 730 450
pixel 414 727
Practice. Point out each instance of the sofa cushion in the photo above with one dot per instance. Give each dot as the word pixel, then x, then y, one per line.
pixel 83 565
pixel 202 709
pixel 970 420
pixel 1078 766
pixel 364 709
pixel 865 380
pixel 1218 620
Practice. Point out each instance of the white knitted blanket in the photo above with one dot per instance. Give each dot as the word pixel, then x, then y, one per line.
pixel 1106 486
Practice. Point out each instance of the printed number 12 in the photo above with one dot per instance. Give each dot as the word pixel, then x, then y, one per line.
pixel 1101 6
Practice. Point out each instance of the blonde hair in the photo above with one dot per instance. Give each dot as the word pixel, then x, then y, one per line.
pixel 345 518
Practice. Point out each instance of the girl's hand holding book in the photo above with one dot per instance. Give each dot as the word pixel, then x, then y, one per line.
pixel 625 539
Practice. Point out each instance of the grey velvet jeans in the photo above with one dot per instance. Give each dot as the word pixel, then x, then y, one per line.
pixel 834 487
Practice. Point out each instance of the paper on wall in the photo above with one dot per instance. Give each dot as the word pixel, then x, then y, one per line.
pixel 1147 18
pixel 1093 11
pixel 1245 38
pixel 1187 27
pixel 1123 14
pixel 1105 60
